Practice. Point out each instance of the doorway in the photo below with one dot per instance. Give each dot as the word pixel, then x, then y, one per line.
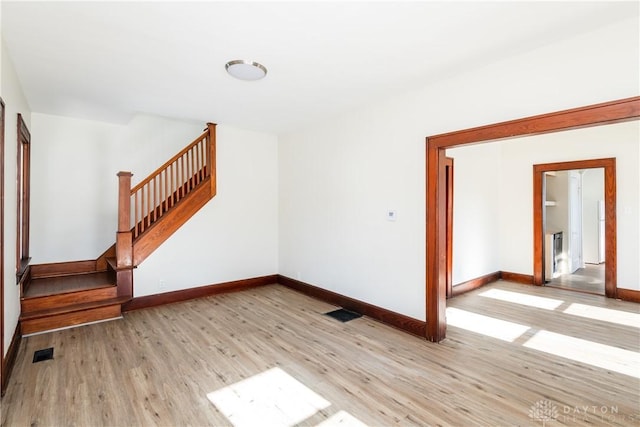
pixel 574 233
pixel 436 145
pixel 552 218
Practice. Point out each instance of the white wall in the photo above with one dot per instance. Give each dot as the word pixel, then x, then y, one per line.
pixel 338 178
pixel 233 237
pixel 15 102
pixel 558 192
pixel 476 211
pixel 74 198
pixel 74 188
pixel 74 184
pixel 621 141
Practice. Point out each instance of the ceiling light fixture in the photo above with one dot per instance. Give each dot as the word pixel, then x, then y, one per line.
pixel 246 70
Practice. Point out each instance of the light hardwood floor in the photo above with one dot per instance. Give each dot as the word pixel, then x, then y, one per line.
pixel 590 278
pixel 268 356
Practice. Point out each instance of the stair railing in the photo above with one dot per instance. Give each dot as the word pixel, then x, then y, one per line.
pixel 143 205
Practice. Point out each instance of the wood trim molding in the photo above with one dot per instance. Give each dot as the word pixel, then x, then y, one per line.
pixel 388 317
pixel 2 125
pixel 628 295
pixel 448 164
pixel 23 194
pixel 591 115
pixel 436 239
pixel 436 145
pixel 180 213
pixel 610 222
pixel 10 360
pixel 199 292
pixel 57 269
pixel 523 279
pixel 476 283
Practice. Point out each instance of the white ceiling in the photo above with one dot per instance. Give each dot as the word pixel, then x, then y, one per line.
pixel 107 61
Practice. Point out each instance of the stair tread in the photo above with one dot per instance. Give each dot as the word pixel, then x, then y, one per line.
pixel 47 286
pixel 73 307
pixel 112 261
pixel 113 264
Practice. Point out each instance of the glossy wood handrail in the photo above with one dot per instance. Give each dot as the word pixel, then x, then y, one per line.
pixel 170 161
pixel 170 183
pixel 191 173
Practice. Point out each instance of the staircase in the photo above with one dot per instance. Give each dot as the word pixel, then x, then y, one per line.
pixel 61 295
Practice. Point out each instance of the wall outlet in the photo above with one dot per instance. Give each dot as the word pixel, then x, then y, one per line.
pixel 162 285
pixel 391 215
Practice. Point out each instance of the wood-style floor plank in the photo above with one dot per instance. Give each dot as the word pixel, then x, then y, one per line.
pixel 159 365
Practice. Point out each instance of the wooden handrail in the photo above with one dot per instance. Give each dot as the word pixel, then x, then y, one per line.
pixel 167 185
pixel 187 173
pixel 170 161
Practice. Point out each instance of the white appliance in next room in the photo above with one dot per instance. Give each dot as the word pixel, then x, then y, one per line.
pixel 601 236
pixel 593 230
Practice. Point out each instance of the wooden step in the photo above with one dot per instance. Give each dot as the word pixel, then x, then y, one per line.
pixel 112 262
pixel 47 293
pixel 71 315
pixel 68 298
pixel 63 301
pixel 54 285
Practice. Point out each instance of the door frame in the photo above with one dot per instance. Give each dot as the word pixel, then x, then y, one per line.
pixel 436 246
pixel 448 163
pixel 2 126
pixel 610 222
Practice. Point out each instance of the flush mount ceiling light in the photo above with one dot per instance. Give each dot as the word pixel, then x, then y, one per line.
pixel 246 70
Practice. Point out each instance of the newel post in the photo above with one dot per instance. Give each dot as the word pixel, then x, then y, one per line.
pixel 211 166
pixel 124 237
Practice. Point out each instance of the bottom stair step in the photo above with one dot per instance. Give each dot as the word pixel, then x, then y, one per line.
pixel 71 315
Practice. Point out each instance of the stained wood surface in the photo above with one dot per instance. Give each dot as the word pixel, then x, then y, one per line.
pixel 524 279
pixel 160 231
pixel 62 301
pixel 591 115
pixel 2 364
pixel 197 292
pixel 610 222
pixel 469 285
pixel 157 366
pixel 87 313
pixel 605 113
pixel 388 317
pixel 57 285
pixel 63 268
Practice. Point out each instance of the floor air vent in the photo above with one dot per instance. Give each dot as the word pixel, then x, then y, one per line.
pixel 343 315
pixel 44 354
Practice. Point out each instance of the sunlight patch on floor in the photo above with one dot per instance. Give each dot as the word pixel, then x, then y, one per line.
pixel 342 419
pixel 489 326
pixel 588 352
pixel 522 299
pixel 270 398
pixel 605 314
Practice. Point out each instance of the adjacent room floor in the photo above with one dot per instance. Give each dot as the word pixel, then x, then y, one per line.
pixel 590 278
pixel 515 355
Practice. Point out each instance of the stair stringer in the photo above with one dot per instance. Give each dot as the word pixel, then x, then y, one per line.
pixel 170 222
